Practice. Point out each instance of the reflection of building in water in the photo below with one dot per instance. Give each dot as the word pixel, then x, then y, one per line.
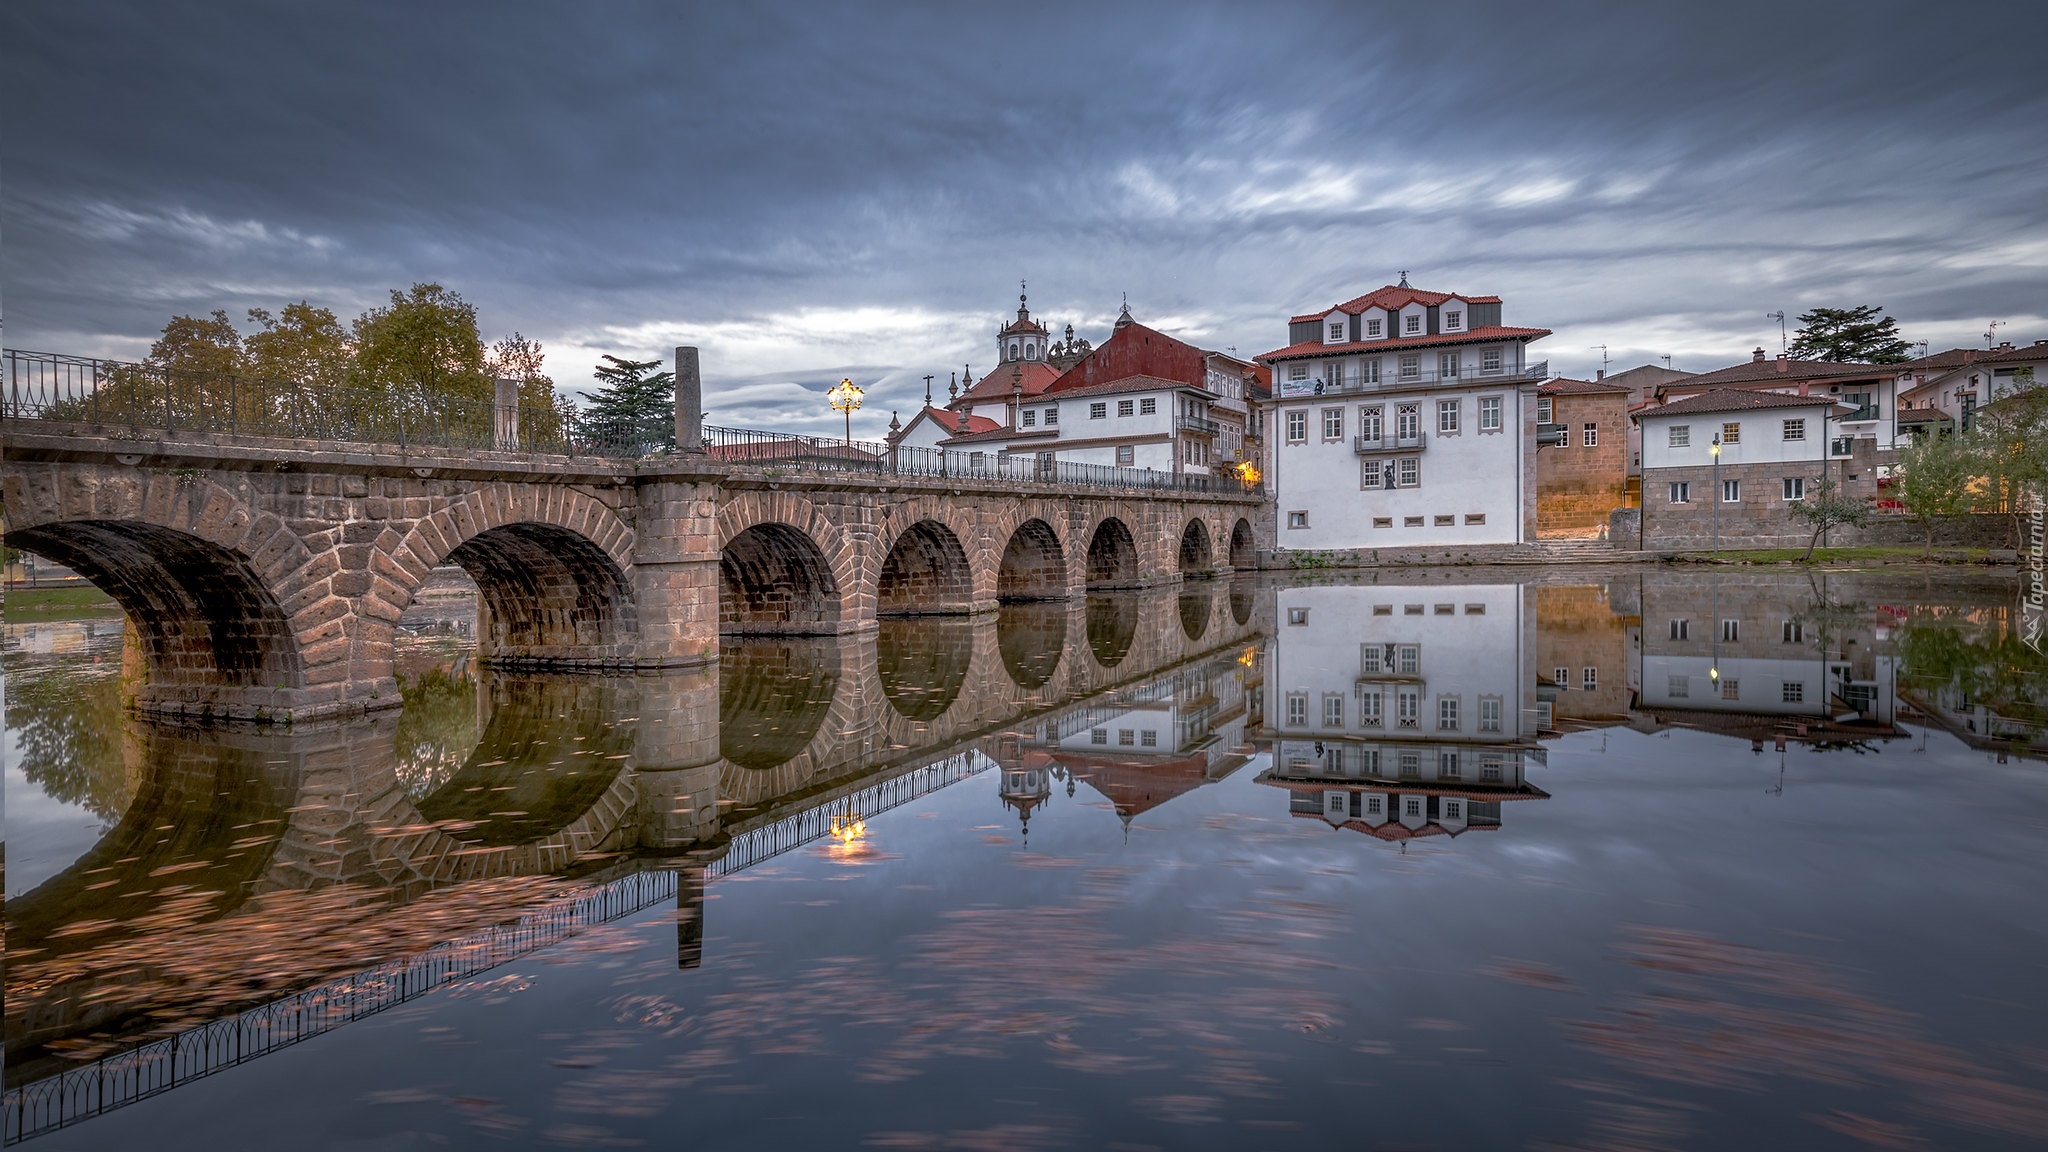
pixel 1582 648
pixel 1971 672
pixel 1405 711
pixel 1139 747
pixel 1748 657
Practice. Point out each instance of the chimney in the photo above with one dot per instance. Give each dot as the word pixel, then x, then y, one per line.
pixel 1757 356
pixel 1782 364
pixel 1600 374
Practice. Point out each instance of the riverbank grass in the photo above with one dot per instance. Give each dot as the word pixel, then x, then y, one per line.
pixel 58 603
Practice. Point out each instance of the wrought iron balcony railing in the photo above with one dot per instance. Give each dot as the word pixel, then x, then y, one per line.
pixel 1377 444
pixel 1393 380
pixel 1197 424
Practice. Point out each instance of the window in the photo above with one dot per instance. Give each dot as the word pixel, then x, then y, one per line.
pixel 1099 736
pixel 1411 367
pixel 1333 423
pixel 1030 418
pixel 1148 407
pixel 1489 713
pixel 1411 522
pixel 1794 487
pixel 1489 770
pixel 1410 473
pixel 1123 407
pixel 1447 416
pixel 1407 709
pixel 1333 711
pixel 1369 371
pixel 1383 521
pixel 1731 491
pixel 1731 631
pixel 1489 413
pixel 1476 518
pixel 1592 437
pixel 1681 492
pixel 1680 436
pixel 1475 609
pixel 1407 421
pixel 1098 410
pixel 1410 325
pixel 1454 319
pixel 1561 676
pixel 1680 629
pixel 1013 351
pixel 1374 805
pixel 1297 710
pixel 1489 360
pixel 1297 427
pixel 1126 737
pixel 1126 455
pixel 1031 351
pixel 1297 519
pixel 1794 632
pixel 1369 423
pixel 1411 765
pixel 1369 708
pixel 1731 689
pixel 1678 687
pixel 1546 408
pixel 1442 521
pixel 1052 417
pixel 1731 433
pixel 1336 331
pixel 1792 693
pixel 1795 429
pixel 1447 768
pixel 1408 658
pixel 1148 739
pixel 1412 609
pixel 1414 805
pixel 1445 609
pixel 1372 328
pixel 1447 366
pixel 1297 371
pixel 1369 659
pixel 1371 475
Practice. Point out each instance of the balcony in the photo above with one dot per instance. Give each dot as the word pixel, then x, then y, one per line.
pixel 1392 380
pixel 1866 413
pixel 1196 424
pixel 1379 444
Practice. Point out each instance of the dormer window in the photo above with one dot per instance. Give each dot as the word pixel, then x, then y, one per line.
pixel 1336 331
pixel 1373 329
pixel 1411 325
pixel 1454 320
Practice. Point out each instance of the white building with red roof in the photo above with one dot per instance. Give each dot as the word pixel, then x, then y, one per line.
pixel 1404 418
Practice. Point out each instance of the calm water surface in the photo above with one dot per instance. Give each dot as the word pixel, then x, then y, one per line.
pixel 1633 859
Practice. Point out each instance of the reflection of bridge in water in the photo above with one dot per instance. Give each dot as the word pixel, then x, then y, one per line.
pixel 371 862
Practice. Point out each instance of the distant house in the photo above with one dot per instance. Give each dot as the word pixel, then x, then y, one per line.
pixel 1585 476
pixel 1773 447
pixel 1403 418
pixel 1946 389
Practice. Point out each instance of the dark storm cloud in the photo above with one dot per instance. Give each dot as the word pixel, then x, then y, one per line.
pixel 808 189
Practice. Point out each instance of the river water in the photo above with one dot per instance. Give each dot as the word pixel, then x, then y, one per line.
pixel 1637 858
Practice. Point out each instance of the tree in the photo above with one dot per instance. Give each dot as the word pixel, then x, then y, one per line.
pixel 301 344
pixel 423 349
pixel 2010 437
pixel 1849 335
pixel 517 358
pixel 1826 506
pixel 1933 479
pixel 192 344
pixel 633 413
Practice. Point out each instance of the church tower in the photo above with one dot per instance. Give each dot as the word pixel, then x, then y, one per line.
pixel 1022 339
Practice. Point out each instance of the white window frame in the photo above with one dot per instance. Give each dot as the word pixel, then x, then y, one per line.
pixel 1678 436
pixel 1297 426
pixel 1592 436
pixel 1148 406
pixel 1099 410
pixel 1411 325
pixel 1792 488
pixel 1333 424
pixel 1793 429
pixel 1447 417
pixel 1681 492
pixel 1490 413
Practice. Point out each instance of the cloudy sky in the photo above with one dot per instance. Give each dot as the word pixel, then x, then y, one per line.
pixel 816 190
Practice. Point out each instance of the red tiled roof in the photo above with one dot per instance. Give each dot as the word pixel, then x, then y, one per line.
pixel 999 432
pixel 2038 350
pixel 1392 298
pixel 1766 371
pixel 1135 350
pixel 1037 377
pixel 1475 336
pixel 1125 384
pixel 1565 386
pixel 949 421
pixel 1021 325
pixel 1734 400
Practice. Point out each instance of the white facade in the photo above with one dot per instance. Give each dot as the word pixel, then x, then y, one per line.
pixel 1136 428
pixel 1762 436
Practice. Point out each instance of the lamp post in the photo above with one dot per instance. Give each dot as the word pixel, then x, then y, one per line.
pixel 1715 451
pixel 845 399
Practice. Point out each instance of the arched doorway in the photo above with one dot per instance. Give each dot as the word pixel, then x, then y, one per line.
pixel 925 573
pixel 1112 556
pixel 772 578
pixel 1034 566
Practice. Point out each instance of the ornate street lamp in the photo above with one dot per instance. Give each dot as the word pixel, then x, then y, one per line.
pixel 845 399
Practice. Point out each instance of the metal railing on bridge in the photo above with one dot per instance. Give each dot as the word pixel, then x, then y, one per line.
pixel 779 450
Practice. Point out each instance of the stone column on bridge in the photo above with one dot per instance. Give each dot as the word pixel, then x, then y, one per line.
pixel 505 416
pixel 689 401
pixel 675 571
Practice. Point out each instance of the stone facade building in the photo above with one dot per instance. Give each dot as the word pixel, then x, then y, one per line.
pixel 1772 449
pixel 1580 481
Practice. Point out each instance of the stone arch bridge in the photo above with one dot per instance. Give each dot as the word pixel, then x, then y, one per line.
pixel 266 576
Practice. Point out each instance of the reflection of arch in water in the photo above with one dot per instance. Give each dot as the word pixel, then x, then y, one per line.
pixel 552 746
pixel 773 578
pixel 1030 638
pixel 1196 557
pixel 1112 623
pixel 1241 592
pixel 1243 547
pixel 1194 613
pixel 1034 566
pixel 1112 555
pixel 206 619
pixel 773 696
pixel 922 664
pixel 925 573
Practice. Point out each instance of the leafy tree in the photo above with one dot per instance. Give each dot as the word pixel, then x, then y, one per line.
pixel 193 344
pixel 303 344
pixel 518 358
pixel 1827 506
pixel 1933 479
pixel 2010 437
pixel 422 349
pixel 1850 335
pixel 634 412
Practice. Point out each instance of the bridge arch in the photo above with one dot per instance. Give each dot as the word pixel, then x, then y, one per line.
pixel 925 573
pixel 1196 556
pixel 1243 545
pixel 785 567
pixel 1034 566
pixel 1112 555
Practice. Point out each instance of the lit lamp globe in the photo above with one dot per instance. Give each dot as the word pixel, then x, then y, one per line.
pixel 845 400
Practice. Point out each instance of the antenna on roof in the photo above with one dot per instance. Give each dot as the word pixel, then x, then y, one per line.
pixel 1779 316
pixel 1603 358
pixel 1666 358
pixel 1991 332
pixel 1404 279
